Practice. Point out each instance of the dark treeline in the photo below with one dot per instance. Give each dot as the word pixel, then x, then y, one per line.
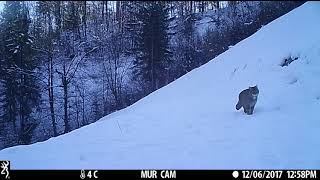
pixel 65 64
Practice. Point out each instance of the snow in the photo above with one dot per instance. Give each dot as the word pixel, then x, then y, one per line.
pixel 204 24
pixel 208 20
pixel 30 40
pixel 192 123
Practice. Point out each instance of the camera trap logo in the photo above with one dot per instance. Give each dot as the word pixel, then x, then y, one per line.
pixel 5 169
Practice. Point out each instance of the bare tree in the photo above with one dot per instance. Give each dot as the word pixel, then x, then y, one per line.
pixel 68 72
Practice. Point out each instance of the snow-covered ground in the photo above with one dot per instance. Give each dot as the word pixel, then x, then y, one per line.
pixel 246 11
pixel 192 123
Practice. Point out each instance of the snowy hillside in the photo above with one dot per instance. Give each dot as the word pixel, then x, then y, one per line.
pixel 192 123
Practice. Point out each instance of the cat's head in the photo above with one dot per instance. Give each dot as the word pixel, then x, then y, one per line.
pixel 254 90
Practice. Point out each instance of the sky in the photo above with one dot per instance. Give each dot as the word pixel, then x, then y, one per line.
pixel 1 5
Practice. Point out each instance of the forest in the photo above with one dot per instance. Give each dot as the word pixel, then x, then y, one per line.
pixel 66 64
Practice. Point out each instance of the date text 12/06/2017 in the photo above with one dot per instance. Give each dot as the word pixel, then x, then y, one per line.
pixel 279 173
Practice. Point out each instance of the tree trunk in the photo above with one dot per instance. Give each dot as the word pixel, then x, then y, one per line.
pixel 103 95
pixel 83 104
pixel 51 97
pixel 77 110
pixel 58 18
pixel 102 11
pixel 22 97
pixel 50 79
pixel 152 68
pixel 65 100
pixel 118 4
pixel 107 15
pixel 85 18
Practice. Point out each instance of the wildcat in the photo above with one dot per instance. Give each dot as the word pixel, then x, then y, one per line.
pixel 248 99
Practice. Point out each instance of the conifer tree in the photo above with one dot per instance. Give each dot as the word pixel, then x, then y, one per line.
pixel 21 93
pixel 152 42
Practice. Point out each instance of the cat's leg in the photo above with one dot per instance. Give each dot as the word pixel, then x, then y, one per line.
pixel 250 110
pixel 246 109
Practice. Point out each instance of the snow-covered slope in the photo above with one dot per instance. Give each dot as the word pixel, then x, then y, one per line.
pixel 192 123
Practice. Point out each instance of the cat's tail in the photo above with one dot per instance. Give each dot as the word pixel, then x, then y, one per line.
pixel 238 106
